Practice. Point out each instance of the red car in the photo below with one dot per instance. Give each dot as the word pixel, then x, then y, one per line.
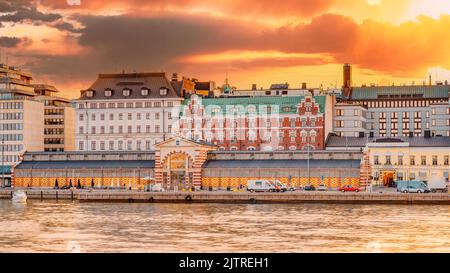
pixel 349 188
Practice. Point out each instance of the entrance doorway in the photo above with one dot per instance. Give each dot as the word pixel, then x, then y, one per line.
pixel 388 178
pixel 177 173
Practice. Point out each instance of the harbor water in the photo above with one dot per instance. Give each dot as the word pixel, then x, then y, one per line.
pixel 51 226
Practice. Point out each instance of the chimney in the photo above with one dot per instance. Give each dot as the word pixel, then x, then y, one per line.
pixel 429 79
pixel 254 86
pixel 303 85
pixel 347 78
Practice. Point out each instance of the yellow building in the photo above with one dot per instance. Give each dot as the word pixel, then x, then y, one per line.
pixel 404 158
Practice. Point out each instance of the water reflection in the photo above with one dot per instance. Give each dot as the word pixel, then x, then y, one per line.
pixel 96 227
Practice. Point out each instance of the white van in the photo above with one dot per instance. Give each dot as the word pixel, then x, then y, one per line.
pixel 266 185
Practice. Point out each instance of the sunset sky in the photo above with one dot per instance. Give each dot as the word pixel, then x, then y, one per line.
pixel 68 42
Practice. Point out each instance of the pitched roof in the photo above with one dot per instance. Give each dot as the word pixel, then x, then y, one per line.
pixel 286 105
pixel 87 164
pixel 299 163
pixel 336 141
pixel 424 91
pixel 133 81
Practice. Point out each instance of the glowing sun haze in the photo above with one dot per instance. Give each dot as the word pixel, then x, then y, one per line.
pixel 68 42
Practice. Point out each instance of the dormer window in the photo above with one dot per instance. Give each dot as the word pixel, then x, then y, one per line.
pixel 108 93
pixel 126 92
pixel 163 91
pixel 90 93
pixel 145 91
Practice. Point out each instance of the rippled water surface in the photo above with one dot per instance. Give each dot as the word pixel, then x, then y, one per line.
pixel 98 227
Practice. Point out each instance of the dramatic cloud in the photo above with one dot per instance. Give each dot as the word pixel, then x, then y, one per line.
pixel 77 42
pixel 247 7
pixel 25 11
pixel 11 42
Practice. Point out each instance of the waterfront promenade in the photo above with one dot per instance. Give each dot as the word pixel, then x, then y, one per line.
pixel 378 197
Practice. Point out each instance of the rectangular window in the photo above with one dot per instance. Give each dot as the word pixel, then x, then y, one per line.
pixel 388 160
pixel 81 145
pixel 423 160
pixel 435 160
pixel 400 160
pixel 446 160
pixel 111 145
pixel 412 161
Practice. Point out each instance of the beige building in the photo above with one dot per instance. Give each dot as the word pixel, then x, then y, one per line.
pixel 399 158
pixel 59 120
pixel 21 119
pixel 416 158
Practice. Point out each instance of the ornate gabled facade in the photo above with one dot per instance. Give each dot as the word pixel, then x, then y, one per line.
pixel 255 123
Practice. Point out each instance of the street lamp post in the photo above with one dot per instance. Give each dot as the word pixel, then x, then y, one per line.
pixel 309 169
pixel 3 159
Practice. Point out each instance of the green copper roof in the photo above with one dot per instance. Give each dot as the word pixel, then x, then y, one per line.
pixel 282 105
pixel 425 91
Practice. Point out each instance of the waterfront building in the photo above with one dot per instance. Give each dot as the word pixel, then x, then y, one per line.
pixel 183 164
pixel 59 119
pixel 257 123
pixel 391 111
pixel 126 112
pixel 21 118
pixel 399 158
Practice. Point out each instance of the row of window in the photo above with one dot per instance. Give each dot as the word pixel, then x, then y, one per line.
pixel 54 121
pixel 53 131
pixel 120 145
pixel 120 129
pixel 54 112
pixel 120 116
pixel 401 103
pixel 126 92
pixel 13 148
pixel 138 104
pixel 11 137
pixel 11 105
pixel 412 160
pixel 9 158
pixel 11 126
pixel 11 116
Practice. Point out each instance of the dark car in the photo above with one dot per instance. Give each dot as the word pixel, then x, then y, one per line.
pixel 309 188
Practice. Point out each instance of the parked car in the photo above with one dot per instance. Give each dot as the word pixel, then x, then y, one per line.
pixel 65 188
pixel 349 188
pixel 413 189
pixel 411 183
pixel 322 187
pixel 309 188
pixel 292 189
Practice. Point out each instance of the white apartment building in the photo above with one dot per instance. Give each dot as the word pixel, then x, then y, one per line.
pixel 21 119
pixel 126 112
pixel 391 111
